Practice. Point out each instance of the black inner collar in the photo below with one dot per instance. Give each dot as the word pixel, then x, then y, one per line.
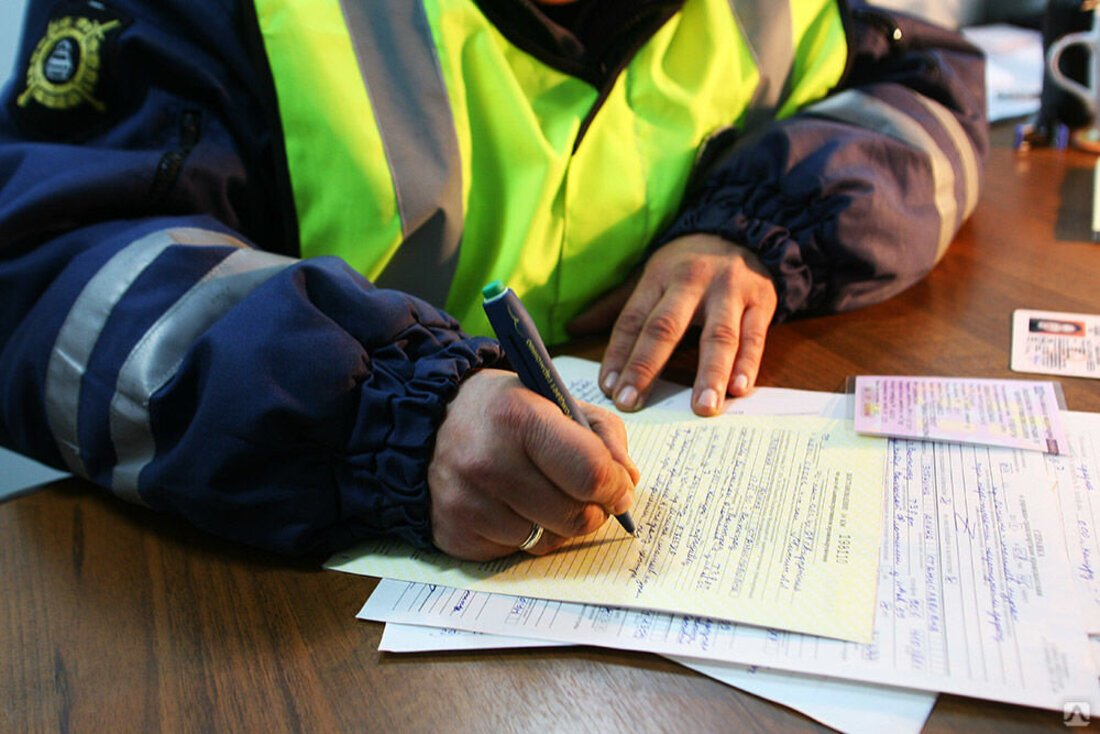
pixel 590 39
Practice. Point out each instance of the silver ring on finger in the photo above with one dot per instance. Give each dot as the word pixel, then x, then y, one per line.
pixel 533 538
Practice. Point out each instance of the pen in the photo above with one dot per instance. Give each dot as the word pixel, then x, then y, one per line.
pixel 521 342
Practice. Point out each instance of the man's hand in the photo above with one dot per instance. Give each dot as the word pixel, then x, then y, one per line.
pixel 702 280
pixel 506 457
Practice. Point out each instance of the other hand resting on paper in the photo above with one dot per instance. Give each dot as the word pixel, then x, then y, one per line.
pixel 505 457
pixel 700 279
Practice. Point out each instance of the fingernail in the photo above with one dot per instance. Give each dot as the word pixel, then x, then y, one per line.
pixel 740 383
pixel 627 399
pixel 708 399
pixel 609 381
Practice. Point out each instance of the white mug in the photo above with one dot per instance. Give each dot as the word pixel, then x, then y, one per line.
pixel 1090 94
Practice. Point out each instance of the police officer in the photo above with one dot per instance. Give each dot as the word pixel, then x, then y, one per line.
pixel 242 243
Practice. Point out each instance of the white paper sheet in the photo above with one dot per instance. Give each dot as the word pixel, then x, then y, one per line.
pixel 854 708
pixel 971 596
pixel 405 638
pixel 1077 479
pixel 670 401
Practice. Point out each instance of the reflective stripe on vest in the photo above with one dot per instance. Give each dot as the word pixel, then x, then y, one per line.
pixel 393 41
pixel 767 28
pixel 415 127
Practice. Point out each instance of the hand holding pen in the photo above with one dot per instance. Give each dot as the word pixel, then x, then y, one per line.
pixel 506 459
pixel 522 343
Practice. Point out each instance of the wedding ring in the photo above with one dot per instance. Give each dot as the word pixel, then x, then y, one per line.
pixel 533 538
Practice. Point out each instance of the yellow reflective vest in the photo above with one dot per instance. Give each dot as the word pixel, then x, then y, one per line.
pixel 434 155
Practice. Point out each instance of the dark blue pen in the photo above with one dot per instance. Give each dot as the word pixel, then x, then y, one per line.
pixel 521 342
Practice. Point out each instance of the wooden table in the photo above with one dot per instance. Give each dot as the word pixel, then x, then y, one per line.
pixel 114 619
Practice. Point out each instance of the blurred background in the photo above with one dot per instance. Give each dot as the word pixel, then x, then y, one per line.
pixel 955 13
pixel 11 23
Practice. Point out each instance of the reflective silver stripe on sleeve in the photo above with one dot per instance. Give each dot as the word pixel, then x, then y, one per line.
pixel 963 145
pixel 157 357
pixel 397 59
pixel 862 110
pixel 769 32
pixel 84 324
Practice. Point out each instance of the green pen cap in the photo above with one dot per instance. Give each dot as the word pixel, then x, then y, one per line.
pixel 493 290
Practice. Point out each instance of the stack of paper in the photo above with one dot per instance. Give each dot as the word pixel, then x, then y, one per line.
pixel 746 519
pixel 964 588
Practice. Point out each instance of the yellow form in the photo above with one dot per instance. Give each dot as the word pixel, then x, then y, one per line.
pixel 767 520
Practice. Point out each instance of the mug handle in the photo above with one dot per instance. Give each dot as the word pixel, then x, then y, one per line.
pixel 1054 57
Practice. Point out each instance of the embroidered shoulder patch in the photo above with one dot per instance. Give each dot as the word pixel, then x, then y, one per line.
pixel 70 84
pixel 64 70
